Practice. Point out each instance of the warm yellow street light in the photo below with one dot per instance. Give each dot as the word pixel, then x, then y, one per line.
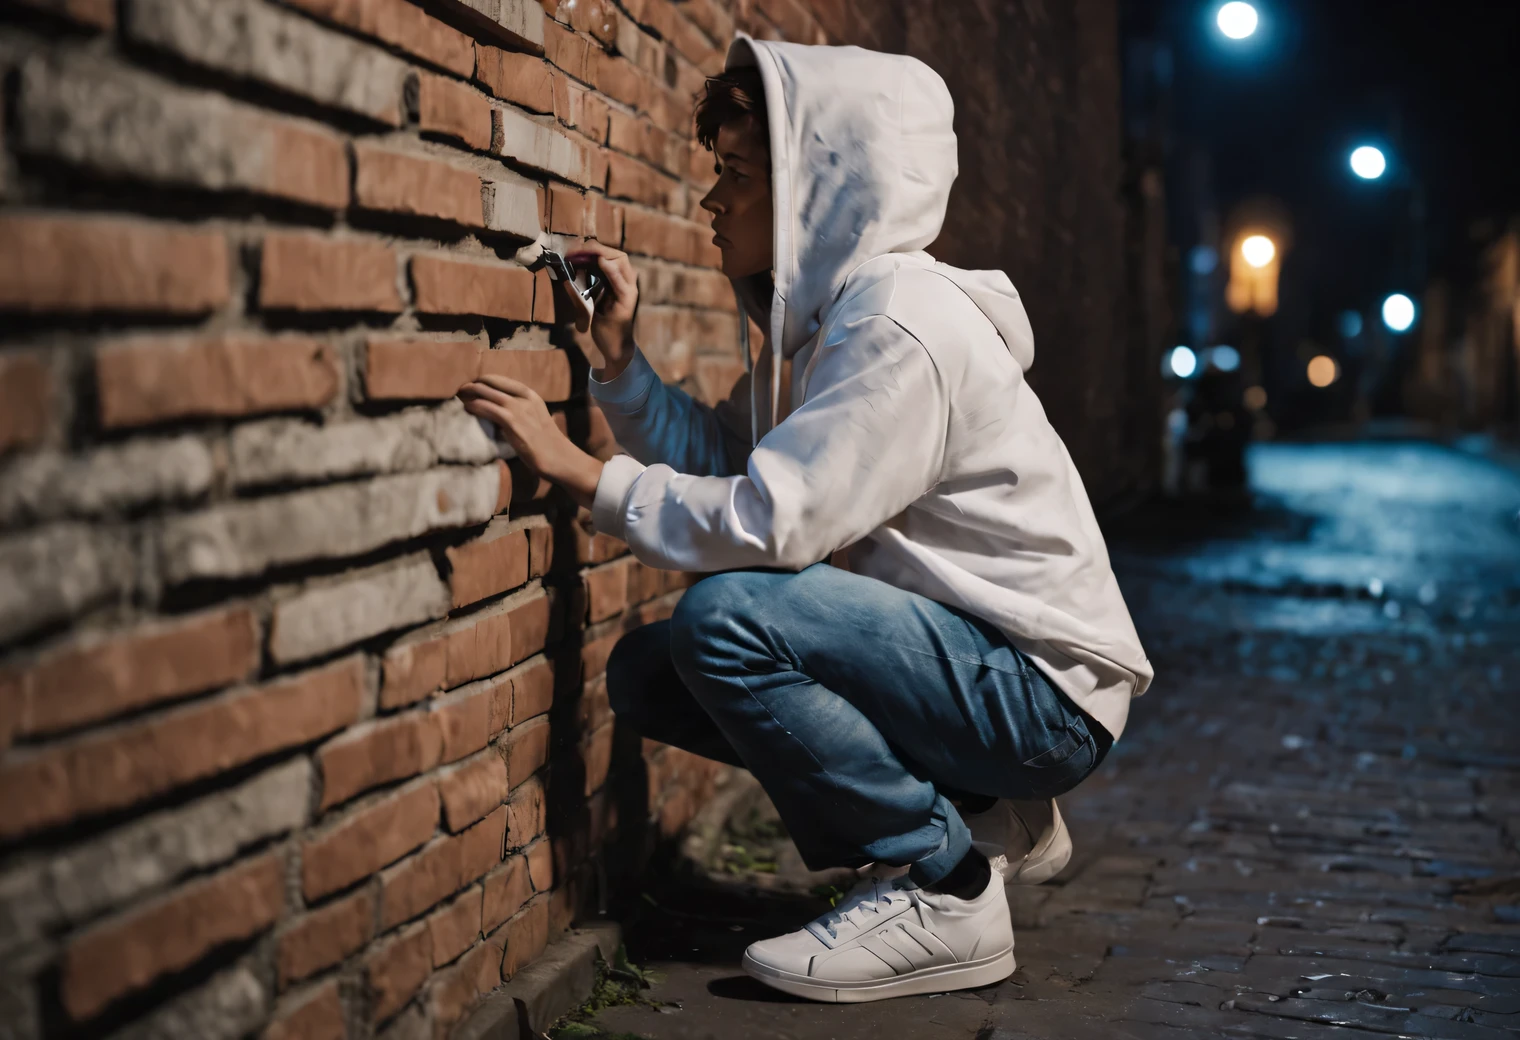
pixel 1323 370
pixel 1258 250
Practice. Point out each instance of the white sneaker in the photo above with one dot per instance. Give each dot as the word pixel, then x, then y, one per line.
pixel 1025 841
pixel 890 938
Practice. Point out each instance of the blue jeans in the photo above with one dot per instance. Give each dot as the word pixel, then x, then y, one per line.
pixel 861 709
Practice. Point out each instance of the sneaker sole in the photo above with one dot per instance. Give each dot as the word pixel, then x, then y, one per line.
pixel 985 972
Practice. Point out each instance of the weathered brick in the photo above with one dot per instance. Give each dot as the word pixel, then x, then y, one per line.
pixel 464 720
pixel 525 814
pixel 540 546
pixel 258 41
pixel 413 368
pixel 598 547
pixel 245 537
pixel 567 211
pixel 532 691
pixel 290 451
pixel 122 122
pixel 148 379
pixel 523 79
pixel 596 756
pixel 444 285
pixel 314 1015
pixel 454 991
pixel 495 562
pixel 606 590
pixel 527 934
pixel 609 223
pixel 616 77
pixel 300 271
pixel 523 140
pixel 546 371
pixel 455 927
pixel 541 866
pixel 416 185
pixel 114 479
pixel 378 752
pixel 67 263
pixel 397 970
pixel 325 936
pixel 99 677
pixel 631 179
pixel 511 206
pixel 516 23
pixel 338 614
pixel 473 789
pixel 464 650
pixel 444 867
pixel 453 109
pixel 117 767
pixel 506 890
pixel 402 25
pixel 125 954
pixel 594 708
pixel 526 749
pixel 567 50
pixel 366 840
pixel 26 400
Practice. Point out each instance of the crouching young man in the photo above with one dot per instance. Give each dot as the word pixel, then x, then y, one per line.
pixel 916 641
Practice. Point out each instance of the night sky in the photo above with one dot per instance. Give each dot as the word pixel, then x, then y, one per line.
pixel 1436 84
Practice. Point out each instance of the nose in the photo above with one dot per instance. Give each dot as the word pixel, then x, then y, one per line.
pixel 711 203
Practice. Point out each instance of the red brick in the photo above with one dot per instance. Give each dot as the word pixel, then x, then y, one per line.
pixel 654 234
pixel 367 840
pixel 94 679
pixel 631 179
pixel 445 285
pixel 526 749
pixel 117 767
pixel 567 50
pixel 547 372
pixel 473 790
pixel 598 18
pixel 106 264
pixel 504 485
pixel 606 591
pixel 397 970
pixel 452 109
pixel 541 866
pixel 454 991
pixel 598 548
pixel 416 186
pixel 418 369
pixel 532 691
pixel 567 211
pixel 378 752
pixel 609 223
pixel 307 272
pixel 402 25
pixel 594 654
pixel 148 379
pixel 455 927
pixel 26 400
pixel 525 814
pixel 594 709
pixel 412 671
pixel 540 550
pixel 543 298
pixel 530 627
pixel 317 1015
pixel 644 582
pixel 527 935
pixel 506 890
pixel 307 165
pixel 523 79
pixel 487 565
pixel 596 754
pixel 443 868
pixel 480 648
pixel 127 953
pixel 464 719
pixel 616 77
pixel 325 936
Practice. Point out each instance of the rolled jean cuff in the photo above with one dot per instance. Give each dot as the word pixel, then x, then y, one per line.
pixel 952 847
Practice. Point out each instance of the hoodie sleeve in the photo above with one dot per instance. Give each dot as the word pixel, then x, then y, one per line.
pixel 656 423
pixel 868 442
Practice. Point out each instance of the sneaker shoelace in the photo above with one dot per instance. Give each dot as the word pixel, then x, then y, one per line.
pixel 867 899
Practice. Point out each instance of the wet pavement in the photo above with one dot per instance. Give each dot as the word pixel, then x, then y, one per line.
pixel 1309 829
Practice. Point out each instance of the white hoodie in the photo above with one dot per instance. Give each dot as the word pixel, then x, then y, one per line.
pixel 917 444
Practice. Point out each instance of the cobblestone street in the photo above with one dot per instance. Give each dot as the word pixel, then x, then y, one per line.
pixel 1309 829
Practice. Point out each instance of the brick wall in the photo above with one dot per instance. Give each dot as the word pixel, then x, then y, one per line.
pixel 303 727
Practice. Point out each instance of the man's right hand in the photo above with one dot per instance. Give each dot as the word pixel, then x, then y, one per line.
pixel 612 326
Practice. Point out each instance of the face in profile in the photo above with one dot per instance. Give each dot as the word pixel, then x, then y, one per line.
pixel 743 215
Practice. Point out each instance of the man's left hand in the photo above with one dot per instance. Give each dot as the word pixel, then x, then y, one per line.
pixel 525 422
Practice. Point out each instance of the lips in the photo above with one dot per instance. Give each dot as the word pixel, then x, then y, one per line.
pixel 720 241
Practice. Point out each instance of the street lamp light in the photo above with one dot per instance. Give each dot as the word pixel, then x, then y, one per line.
pixel 1398 312
pixel 1258 250
pixel 1368 162
pixel 1237 20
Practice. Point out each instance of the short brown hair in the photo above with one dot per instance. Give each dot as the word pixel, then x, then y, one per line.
pixel 731 97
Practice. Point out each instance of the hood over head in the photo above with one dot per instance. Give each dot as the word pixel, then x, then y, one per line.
pixel 863 155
